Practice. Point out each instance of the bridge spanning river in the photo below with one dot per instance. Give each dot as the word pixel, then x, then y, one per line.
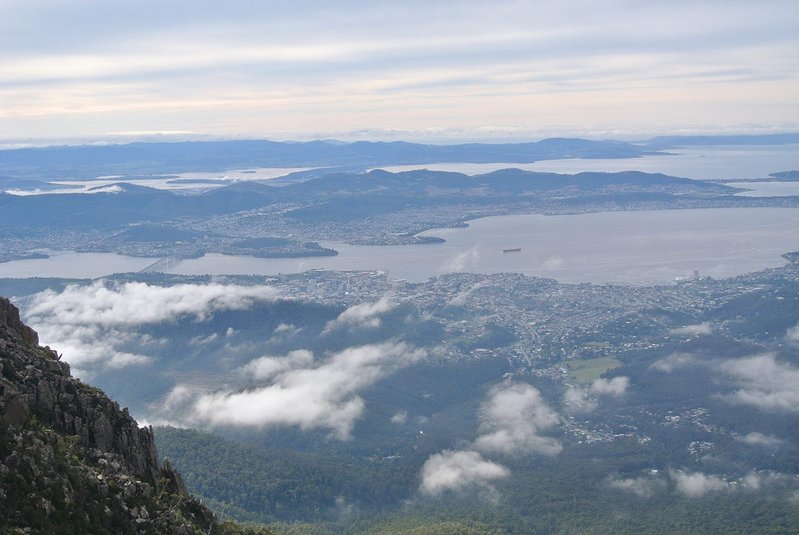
pixel 160 265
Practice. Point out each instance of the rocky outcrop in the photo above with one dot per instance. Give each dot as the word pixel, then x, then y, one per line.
pixel 34 382
pixel 69 454
pixel 13 326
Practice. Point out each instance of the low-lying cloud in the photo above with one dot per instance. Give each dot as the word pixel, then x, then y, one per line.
pixel 267 367
pixel 299 390
pixel 360 316
pixel 513 418
pixel 584 399
pixel 138 303
pixel 764 383
pixel 697 484
pixel 760 439
pixel 90 324
pixel 674 362
pixel 615 387
pixel 692 330
pixel 459 471
pixel 643 486
pixel 462 261
pixel 792 334
pixel 399 418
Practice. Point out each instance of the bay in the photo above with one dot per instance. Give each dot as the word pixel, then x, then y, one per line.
pixel 705 162
pixel 638 247
pixel 766 189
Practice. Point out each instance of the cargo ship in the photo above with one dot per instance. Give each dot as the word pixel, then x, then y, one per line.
pixel 515 250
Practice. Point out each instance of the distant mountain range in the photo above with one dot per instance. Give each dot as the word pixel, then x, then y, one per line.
pixel 663 142
pixel 335 195
pixel 73 162
pixel 90 161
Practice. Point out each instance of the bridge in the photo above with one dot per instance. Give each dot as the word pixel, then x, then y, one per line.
pixel 160 265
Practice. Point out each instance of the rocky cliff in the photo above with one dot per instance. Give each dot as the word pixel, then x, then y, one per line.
pixel 72 461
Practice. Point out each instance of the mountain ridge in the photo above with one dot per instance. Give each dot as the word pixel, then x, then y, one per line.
pixel 72 461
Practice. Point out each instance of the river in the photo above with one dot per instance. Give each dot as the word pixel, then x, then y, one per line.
pixel 638 247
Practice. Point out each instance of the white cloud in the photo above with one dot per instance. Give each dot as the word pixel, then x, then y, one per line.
pixel 286 329
pixel 90 325
pixel 363 315
pixel 513 418
pixel 553 262
pixel 515 64
pixel 577 399
pixel 792 334
pixel 203 340
pixel 459 471
pixel 615 387
pixel 765 383
pixel 645 487
pixel 177 397
pixel 302 391
pixel 399 418
pixel 138 303
pixel 120 359
pixel 697 484
pixel 760 439
pixel 753 481
pixel 267 366
pixel 461 261
pixel 581 399
pixel 692 330
pixel 673 362
pixel 460 299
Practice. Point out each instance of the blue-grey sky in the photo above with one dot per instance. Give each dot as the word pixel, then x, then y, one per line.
pixel 413 69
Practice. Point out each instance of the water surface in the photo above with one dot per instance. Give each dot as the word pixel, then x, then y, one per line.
pixel 766 189
pixel 639 247
pixel 711 162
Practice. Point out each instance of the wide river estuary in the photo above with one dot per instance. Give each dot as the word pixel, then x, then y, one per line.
pixel 640 247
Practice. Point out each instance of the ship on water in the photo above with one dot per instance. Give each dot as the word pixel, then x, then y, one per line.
pixel 514 250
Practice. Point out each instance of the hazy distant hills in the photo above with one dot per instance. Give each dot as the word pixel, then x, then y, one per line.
pixel 663 142
pixel 334 196
pixel 90 161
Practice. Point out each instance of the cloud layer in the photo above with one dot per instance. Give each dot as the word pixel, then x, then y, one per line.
pixel 759 381
pixel 459 471
pixel 674 362
pixel 295 390
pixel 583 399
pixel 360 316
pixel 697 484
pixel 642 486
pixel 513 418
pixel 90 324
pixel 313 67
pixel 692 330
pixel 138 303
pixel 514 415
pixel 765 383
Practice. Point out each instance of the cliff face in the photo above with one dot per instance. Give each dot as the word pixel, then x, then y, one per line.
pixel 71 460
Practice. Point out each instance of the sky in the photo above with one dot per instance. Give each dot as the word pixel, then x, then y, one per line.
pixel 415 70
